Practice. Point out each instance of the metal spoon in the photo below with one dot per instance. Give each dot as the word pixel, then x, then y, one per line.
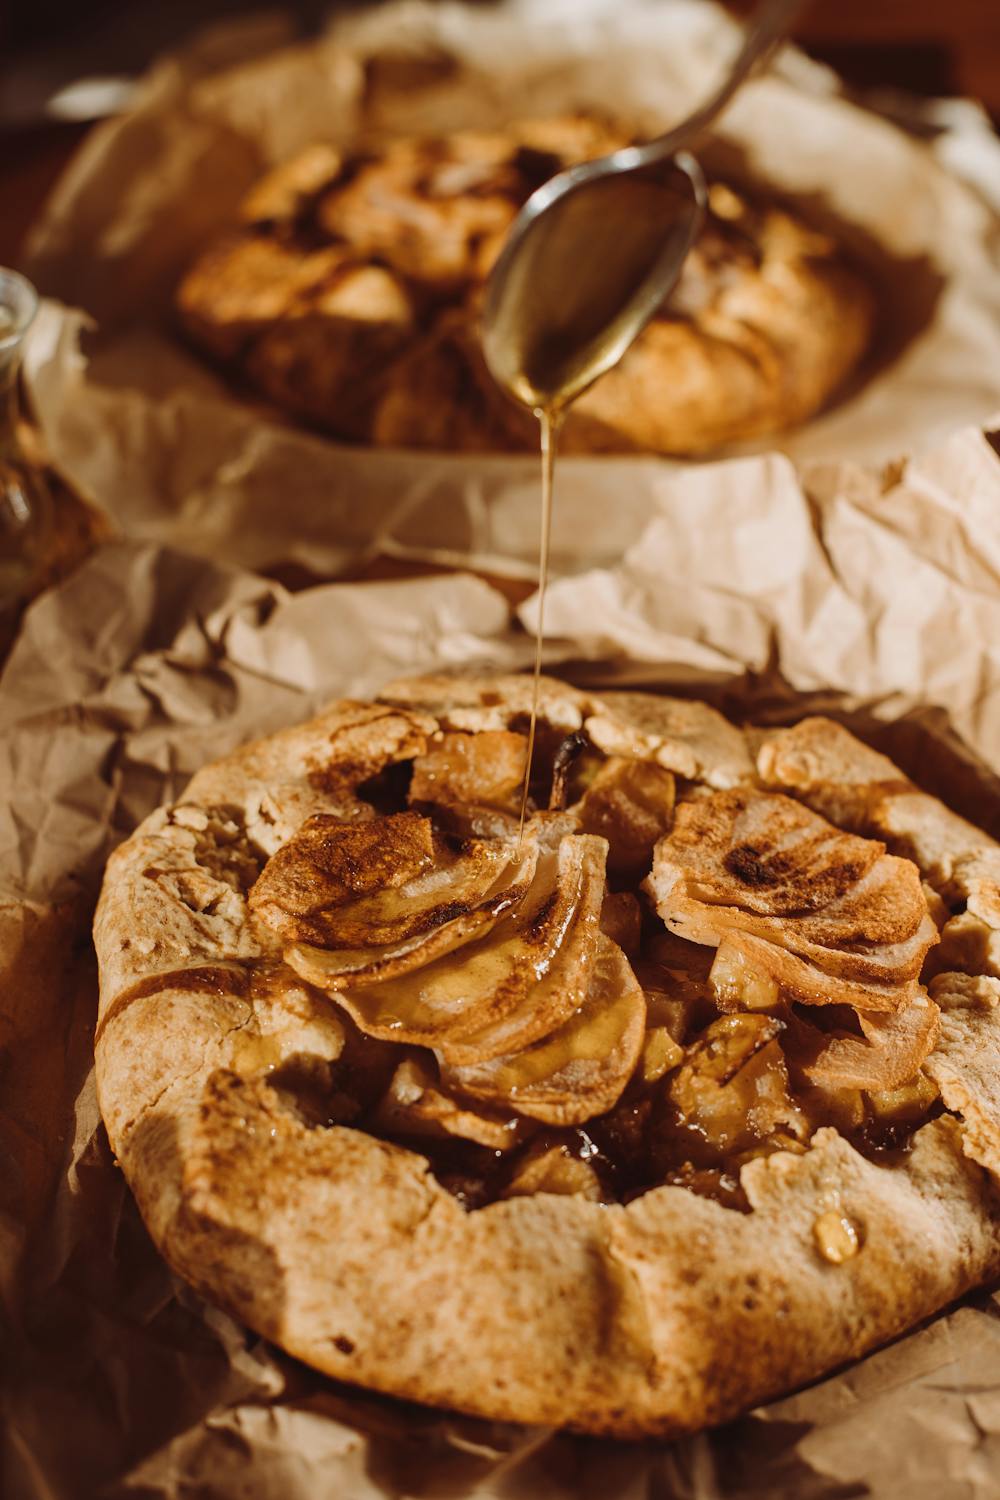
pixel 597 248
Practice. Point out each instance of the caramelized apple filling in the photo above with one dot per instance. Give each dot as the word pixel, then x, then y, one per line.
pixel 469 770
pixel 751 974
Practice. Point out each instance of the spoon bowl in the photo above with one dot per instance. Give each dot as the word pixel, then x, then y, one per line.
pixel 597 249
pixel 595 252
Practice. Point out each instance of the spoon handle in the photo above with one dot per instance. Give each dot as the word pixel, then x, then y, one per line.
pixel 770 25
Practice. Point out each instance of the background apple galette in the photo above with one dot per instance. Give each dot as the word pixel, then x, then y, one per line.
pixel 680 1099
pixel 350 293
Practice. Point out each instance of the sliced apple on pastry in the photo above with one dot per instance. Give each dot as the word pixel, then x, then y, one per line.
pixel 492 991
pixel 580 1069
pixel 829 916
pixel 366 901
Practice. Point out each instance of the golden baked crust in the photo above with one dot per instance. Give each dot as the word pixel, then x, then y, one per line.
pixel 221 1071
pixel 350 298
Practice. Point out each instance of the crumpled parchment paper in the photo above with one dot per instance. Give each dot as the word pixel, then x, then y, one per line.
pixel 771 592
pixel 138 423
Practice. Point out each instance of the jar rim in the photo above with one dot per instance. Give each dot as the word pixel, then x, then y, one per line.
pixel 19 300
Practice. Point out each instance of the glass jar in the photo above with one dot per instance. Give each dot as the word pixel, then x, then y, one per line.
pixel 25 508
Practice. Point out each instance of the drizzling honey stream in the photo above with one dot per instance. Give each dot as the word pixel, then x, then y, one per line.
pixel 549 419
pixel 564 306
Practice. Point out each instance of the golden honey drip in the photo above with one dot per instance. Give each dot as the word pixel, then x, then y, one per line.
pixel 549 419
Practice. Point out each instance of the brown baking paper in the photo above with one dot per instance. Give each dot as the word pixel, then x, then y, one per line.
pixel 139 424
pixel 852 592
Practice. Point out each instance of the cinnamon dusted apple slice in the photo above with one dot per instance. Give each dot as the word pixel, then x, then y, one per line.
pixel 870 976
pixel 887 1055
pixel 363 901
pixel 371 883
pixel 768 873
pixel 416 1105
pixel 761 851
pixel 581 1069
pixel 837 774
pixel 334 968
pixel 840 776
pixel 490 979
pixel 543 1008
